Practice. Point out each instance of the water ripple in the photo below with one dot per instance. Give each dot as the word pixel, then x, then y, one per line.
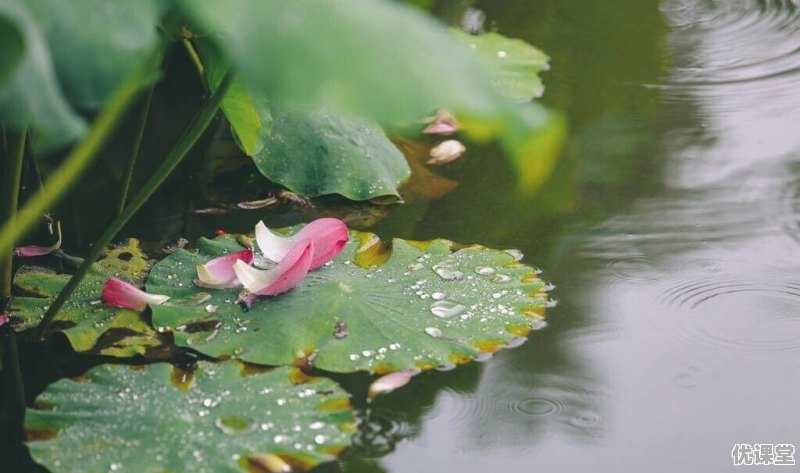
pixel 752 314
pixel 734 41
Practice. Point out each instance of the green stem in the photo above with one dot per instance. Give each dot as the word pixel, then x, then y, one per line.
pixel 194 57
pixel 9 196
pixel 126 178
pixel 79 158
pixel 185 143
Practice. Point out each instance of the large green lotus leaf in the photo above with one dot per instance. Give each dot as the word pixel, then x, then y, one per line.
pixel 420 305
pixel 516 64
pixel 220 418
pixel 377 58
pixel 326 152
pixel 246 110
pixel 89 325
pixel 96 44
pixel 12 48
pixel 30 95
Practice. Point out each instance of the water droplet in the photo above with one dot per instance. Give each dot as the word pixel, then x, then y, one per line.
pixel 233 425
pixel 353 357
pixel 497 295
pixel 367 353
pixel 320 439
pixel 340 330
pixel 211 308
pixel 484 270
pixel 433 332
pixel 438 296
pixel 516 254
pixel 394 346
pixel 316 425
pixel 416 266
pixel 446 309
pixel 501 278
pixel 501 54
pixel 448 272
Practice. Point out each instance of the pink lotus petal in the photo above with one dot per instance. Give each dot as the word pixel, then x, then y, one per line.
pixel 118 293
pixel 443 124
pixel 218 273
pixel 390 382
pixel 329 236
pixel 3 319
pixel 34 250
pixel 286 275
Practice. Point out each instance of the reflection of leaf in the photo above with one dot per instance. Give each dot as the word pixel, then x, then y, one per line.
pixel 326 152
pixel 220 417
pixel 423 183
pixel 89 325
pixel 515 64
pixel 419 306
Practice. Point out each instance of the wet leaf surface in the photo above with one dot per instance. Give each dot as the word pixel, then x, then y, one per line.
pixel 419 305
pixel 89 325
pixel 224 417
pixel 327 152
pixel 514 63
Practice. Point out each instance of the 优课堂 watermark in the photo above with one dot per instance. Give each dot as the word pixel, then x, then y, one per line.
pixel 779 454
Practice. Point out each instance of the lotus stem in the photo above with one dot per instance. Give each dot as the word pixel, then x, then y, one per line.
pixel 9 197
pixel 185 143
pixel 80 158
pixel 137 143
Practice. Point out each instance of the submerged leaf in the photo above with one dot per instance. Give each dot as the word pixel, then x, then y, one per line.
pixel 418 306
pixel 219 417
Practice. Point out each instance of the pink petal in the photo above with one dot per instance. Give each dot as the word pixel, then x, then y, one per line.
pixel 446 151
pixel 390 382
pixel 443 124
pixel 329 235
pixel 3 319
pixel 286 275
pixel 34 250
pixel 218 273
pixel 118 293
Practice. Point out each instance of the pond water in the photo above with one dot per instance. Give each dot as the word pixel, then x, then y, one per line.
pixel 671 230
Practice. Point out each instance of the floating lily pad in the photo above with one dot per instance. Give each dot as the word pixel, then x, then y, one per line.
pixel 327 152
pixel 515 64
pixel 88 324
pixel 220 418
pixel 420 305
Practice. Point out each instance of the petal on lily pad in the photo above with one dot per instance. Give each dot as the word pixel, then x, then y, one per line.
pixel 118 293
pixel 329 236
pixel 218 273
pixel 3 319
pixel 286 275
pixel 34 250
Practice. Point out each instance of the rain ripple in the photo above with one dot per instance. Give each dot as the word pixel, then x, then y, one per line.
pixel 734 41
pixel 742 313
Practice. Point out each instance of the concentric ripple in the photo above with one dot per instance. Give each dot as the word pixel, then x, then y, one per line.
pixel 746 314
pixel 735 41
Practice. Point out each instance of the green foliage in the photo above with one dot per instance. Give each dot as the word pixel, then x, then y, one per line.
pixel 96 44
pixel 31 95
pixel 327 152
pixel 422 305
pixel 219 418
pixel 89 325
pixel 245 109
pixel 515 64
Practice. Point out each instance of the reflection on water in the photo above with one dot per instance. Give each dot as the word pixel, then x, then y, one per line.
pixel 671 229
